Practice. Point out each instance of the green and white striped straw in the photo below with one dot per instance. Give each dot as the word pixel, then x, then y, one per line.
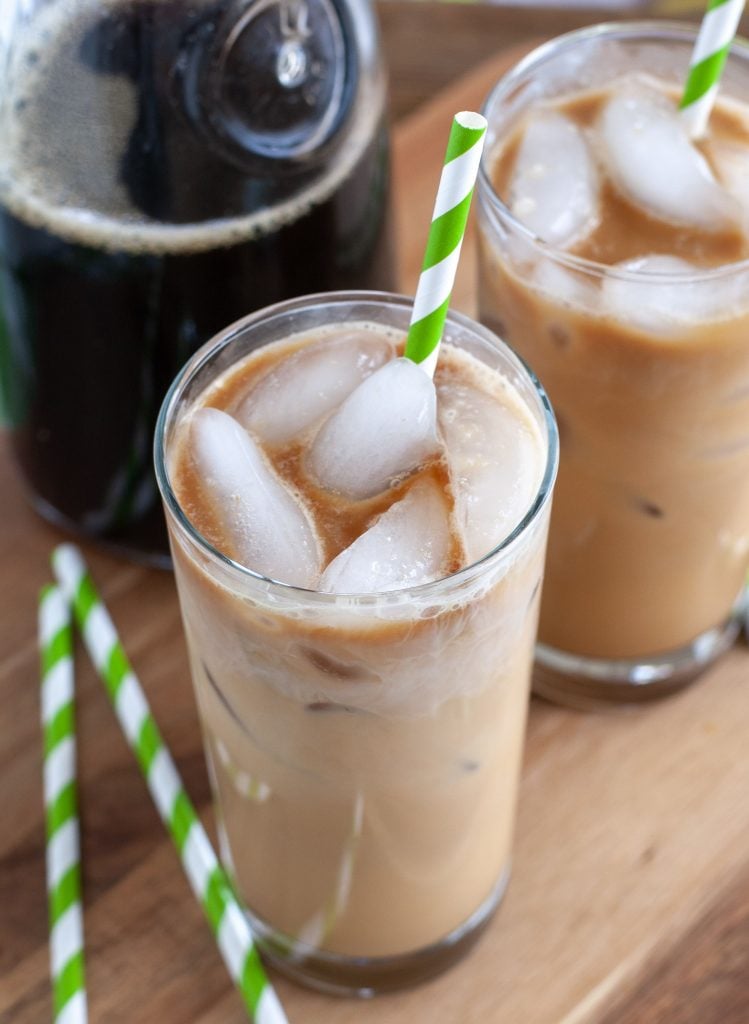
pixel 61 809
pixel 449 219
pixel 714 40
pixel 205 874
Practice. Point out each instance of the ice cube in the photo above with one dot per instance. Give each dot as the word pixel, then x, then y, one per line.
pixel 268 529
pixel 651 160
pixel 495 457
pixel 311 383
pixel 565 285
pixel 664 304
pixel 554 185
pixel 731 164
pixel 409 544
pixel 383 430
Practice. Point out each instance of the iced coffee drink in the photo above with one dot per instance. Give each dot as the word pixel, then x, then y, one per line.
pixel 359 552
pixel 614 259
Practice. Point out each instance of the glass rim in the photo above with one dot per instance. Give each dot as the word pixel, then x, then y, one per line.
pixel 222 339
pixel 646 31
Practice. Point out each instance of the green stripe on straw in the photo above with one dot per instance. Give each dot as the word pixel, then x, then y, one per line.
pixel 461 141
pixel 148 744
pixel 69 985
pixel 449 219
pixel 181 819
pixel 62 725
pixel 711 49
pixel 207 878
pixel 218 894
pixel 421 334
pixel 66 893
pixel 59 647
pixel 703 75
pixel 446 233
pixel 61 809
pixel 117 665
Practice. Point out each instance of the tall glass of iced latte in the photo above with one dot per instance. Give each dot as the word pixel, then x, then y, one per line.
pixel 614 258
pixel 359 552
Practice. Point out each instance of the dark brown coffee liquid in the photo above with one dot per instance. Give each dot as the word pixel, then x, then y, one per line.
pixel 98 314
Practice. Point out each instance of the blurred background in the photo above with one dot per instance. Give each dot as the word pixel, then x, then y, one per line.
pixel 428 43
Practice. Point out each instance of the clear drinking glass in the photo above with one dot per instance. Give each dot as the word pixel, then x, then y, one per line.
pixel 166 167
pixel 649 540
pixel 364 751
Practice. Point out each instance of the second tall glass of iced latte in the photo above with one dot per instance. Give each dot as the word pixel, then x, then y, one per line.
pixel 614 259
pixel 362 673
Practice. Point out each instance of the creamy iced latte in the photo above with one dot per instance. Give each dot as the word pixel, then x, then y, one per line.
pixel 613 258
pixel 359 553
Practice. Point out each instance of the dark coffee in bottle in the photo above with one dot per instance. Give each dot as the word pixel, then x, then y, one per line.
pixel 167 167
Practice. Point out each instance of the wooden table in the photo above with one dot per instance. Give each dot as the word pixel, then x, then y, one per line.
pixel 629 902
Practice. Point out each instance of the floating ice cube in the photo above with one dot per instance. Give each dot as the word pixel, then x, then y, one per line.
pixel 652 161
pixel 554 185
pixel 495 460
pixel 311 383
pixel 383 430
pixel 268 530
pixel 664 304
pixel 565 285
pixel 731 165
pixel 408 545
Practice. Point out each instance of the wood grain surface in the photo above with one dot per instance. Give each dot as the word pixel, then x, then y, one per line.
pixel 629 902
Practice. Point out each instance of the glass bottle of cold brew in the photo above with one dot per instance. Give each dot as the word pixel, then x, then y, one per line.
pixel 167 166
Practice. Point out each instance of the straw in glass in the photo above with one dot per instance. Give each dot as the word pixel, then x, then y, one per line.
pixel 61 809
pixel 714 40
pixel 461 165
pixel 319 927
pixel 206 876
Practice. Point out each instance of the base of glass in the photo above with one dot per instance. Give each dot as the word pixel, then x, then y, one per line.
pixel 135 551
pixel 583 682
pixel 365 977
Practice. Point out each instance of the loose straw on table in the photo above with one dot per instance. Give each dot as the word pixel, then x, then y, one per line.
pixel 714 40
pixel 462 158
pixel 61 809
pixel 206 876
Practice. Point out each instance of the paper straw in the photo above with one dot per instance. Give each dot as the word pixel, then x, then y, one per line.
pixel 462 158
pixel 206 876
pixel 61 809
pixel 714 40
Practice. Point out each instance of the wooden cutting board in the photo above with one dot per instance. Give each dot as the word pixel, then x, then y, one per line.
pixel 629 902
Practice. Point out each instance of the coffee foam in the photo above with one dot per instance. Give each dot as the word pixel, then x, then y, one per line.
pixel 35 145
pixel 391 659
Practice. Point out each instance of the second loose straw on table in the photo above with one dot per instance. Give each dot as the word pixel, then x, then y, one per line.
pixel 462 159
pixel 61 809
pixel 714 40
pixel 205 874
